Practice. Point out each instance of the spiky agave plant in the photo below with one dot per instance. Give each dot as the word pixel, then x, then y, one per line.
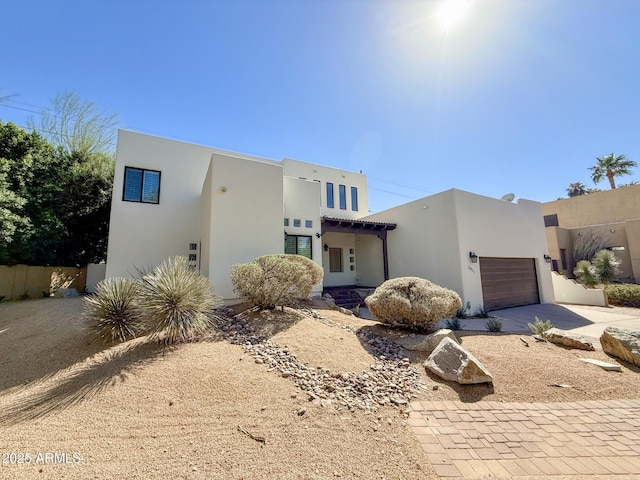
pixel 112 312
pixel 177 301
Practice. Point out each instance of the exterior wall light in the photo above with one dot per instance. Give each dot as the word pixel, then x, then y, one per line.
pixel 318 235
pixel 547 258
pixel 473 257
pixel 326 247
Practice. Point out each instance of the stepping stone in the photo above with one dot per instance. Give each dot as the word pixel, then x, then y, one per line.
pixel 612 367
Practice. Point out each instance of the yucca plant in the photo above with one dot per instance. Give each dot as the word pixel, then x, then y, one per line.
pixel 177 301
pixel 112 312
pixel 539 327
pixel 586 273
pixel 493 324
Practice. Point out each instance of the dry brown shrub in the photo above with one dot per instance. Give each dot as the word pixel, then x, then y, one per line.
pixel 412 301
pixel 275 280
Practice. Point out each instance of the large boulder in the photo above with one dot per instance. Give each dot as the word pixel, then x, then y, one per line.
pixel 623 343
pixel 569 339
pixel 426 343
pixel 452 362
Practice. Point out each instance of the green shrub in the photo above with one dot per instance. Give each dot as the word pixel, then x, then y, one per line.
pixel 413 301
pixel 586 273
pixel 539 327
pixel 493 324
pixel 454 323
pixel 607 265
pixel 176 301
pixel 111 311
pixel 482 313
pixel 275 280
pixel 627 295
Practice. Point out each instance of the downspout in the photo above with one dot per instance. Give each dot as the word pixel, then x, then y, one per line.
pixel 385 260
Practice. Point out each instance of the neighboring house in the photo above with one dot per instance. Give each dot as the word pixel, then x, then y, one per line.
pixel 221 208
pixel 610 218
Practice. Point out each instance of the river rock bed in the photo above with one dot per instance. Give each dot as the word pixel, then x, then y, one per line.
pixel 391 379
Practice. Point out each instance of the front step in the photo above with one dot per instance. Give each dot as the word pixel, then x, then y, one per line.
pixel 346 297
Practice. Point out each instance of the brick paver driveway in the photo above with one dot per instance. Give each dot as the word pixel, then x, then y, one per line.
pixel 597 439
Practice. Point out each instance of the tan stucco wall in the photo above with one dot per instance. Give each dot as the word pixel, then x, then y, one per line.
pixel 17 280
pixel 615 212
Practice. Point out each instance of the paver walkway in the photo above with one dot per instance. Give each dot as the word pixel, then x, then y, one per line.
pixel 527 440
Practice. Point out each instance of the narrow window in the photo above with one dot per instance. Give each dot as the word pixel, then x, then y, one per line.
pixel 343 197
pixel 308 223
pixel 330 195
pixel 354 199
pixel 141 185
pixel 298 245
pixel 296 222
pixel 563 258
pixel 286 222
pixel 335 259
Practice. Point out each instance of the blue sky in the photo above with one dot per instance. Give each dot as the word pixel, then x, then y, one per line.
pixel 520 96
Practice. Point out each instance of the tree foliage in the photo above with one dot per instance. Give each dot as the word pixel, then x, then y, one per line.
pixel 611 166
pixel 576 189
pixel 607 265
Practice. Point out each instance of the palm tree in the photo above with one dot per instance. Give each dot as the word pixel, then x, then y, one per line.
pixel 611 166
pixel 577 188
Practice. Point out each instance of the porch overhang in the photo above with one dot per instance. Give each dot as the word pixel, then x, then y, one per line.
pixel 361 227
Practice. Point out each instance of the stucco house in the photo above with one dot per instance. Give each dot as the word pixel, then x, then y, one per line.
pixel 612 216
pixel 221 208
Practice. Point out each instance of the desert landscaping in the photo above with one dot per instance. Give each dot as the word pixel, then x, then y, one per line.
pixel 227 408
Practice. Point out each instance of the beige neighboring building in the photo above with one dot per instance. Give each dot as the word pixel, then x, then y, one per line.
pixel 611 214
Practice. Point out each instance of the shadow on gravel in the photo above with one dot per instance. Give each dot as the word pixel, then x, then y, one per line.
pixel 77 383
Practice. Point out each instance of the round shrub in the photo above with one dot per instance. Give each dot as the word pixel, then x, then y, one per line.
pixel 624 295
pixel 275 280
pixel 176 301
pixel 412 301
pixel 112 312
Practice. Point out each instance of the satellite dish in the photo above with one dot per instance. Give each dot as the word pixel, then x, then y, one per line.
pixel 508 197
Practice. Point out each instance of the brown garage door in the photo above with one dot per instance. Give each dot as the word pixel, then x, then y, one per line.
pixel 508 282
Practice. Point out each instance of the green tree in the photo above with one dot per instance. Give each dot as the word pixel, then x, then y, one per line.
pixel 576 189
pixel 611 166
pixel 607 265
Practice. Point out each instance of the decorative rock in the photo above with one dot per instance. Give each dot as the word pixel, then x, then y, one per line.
pixel 66 293
pixel 569 339
pixel 426 343
pixel 453 362
pixel 612 367
pixel 623 343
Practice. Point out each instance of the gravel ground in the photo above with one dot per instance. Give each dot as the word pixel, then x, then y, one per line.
pixel 311 393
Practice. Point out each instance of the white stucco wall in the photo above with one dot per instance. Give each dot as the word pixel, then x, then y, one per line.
pixel 246 216
pixel 310 171
pixel 346 242
pixel 369 261
pixel 435 235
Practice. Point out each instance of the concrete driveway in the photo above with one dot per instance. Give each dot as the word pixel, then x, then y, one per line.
pixel 583 319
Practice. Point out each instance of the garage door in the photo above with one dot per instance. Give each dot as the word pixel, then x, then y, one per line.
pixel 508 282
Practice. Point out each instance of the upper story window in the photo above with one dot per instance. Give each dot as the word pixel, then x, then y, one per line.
pixel 354 199
pixel 343 197
pixel 330 195
pixel 141 185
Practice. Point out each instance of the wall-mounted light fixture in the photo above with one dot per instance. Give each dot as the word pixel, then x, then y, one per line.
pixel 547 258
pixel 326 247
pixel 318 235
pixel 473 257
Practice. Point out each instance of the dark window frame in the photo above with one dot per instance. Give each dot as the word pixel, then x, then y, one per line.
pixel 143 171
pixel 354 199
pixel 330 199
pixel 342 189
pixel 297 245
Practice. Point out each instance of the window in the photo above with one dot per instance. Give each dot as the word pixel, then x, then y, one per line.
pixel 343 197
pixel 329 195
pixel 308 223
pixel 335 259
pixel 141 185
pixel 286 222
pixel 354 199
pixel 298 245
pixel 563 258
pixel 551 220
pixel 296 222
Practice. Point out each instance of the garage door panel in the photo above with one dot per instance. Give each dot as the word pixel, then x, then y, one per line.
pixel 508 282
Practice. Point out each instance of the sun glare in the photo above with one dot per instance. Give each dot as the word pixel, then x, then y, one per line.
pixel 452 13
